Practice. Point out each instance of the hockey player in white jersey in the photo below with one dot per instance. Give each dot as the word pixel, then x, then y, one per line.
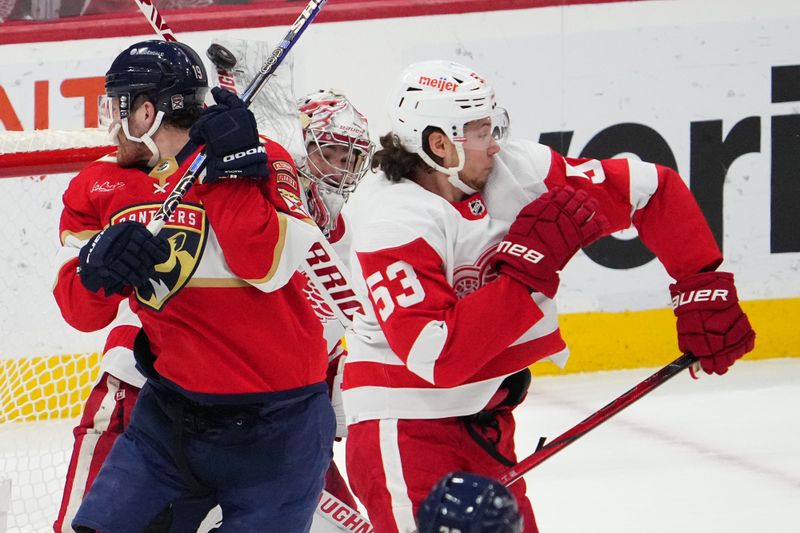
pixel 338 147
pixel 459 251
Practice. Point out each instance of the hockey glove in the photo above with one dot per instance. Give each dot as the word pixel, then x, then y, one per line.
pixel 546 234
pixel 121 255
pixel 711 324
pixel 229 131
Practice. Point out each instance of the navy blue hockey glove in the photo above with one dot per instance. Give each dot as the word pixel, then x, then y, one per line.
pixel 230 134
pixel 121 255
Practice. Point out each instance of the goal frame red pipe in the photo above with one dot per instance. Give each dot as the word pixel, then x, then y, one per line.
pixel 56 161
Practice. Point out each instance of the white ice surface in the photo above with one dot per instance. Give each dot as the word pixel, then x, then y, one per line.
pixel 721 454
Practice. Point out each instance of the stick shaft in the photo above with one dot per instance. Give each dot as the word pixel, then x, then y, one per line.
pixel 276 57
pixel 148 8
pixel 598 417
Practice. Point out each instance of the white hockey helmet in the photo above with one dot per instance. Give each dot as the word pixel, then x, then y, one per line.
pixel 446 95
pixel 329 119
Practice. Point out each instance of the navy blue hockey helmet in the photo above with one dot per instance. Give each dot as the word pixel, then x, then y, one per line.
pixel 171 74
pixel 469 503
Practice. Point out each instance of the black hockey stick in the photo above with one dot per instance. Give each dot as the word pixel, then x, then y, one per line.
pixel 267 69
pixel 544 451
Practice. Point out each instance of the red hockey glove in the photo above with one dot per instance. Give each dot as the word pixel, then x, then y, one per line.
pixel 711 324
pixel 546 234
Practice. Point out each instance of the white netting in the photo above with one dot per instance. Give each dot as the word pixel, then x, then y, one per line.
pixel 44 140
pixel 46 368
pixel 41 399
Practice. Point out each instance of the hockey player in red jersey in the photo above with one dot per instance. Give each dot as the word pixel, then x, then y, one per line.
pixel 459 251
pixel 235 404
pixel 337 139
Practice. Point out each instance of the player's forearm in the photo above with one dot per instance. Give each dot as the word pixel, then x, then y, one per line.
pixel 81 308
pixel 454 344
pixel 654 199
pixel 673 227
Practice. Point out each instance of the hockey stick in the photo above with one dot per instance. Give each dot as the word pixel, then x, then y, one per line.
pixel 160 26
pixel 544 451
pixel 155 19
pixel 322 265
pixel 267 69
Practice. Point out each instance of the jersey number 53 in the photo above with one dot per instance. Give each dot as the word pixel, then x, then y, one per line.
pixel 397 285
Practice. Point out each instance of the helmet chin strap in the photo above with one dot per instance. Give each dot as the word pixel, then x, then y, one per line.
pixel 147 138
pixel 452 172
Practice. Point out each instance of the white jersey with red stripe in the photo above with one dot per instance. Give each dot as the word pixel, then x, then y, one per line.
pixel 443 330
pixel 118 359
pixel 333 329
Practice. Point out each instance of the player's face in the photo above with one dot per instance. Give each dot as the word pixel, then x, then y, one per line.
pixel 130 153
pixel 479 152
pixel 330 161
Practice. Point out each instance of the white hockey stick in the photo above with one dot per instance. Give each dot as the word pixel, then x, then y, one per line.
pixel 322 265
pixel 155 19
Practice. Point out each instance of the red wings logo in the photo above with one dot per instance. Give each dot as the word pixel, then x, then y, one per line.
pixel 469 278
pixel 321 309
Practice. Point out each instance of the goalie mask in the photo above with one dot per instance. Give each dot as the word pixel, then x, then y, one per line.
pixel 469 503
pixel 339 150
pixel 170 74
pixel 445 95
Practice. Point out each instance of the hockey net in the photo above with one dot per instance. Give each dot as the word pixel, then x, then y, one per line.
pixel 46 369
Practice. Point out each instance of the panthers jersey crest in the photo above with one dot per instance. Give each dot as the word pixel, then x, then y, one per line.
pixel 186 233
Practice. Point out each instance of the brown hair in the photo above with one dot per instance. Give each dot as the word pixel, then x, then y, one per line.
pixel 181 119
pixel 397 162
